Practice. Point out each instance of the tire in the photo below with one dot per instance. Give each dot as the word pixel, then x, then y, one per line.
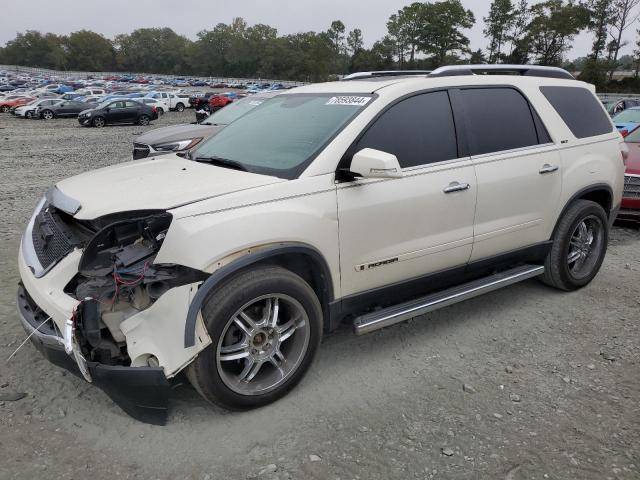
pixel 160 111
pixel 579 246
pixel 4 109
pixel 254 292
pixel 47 114
pixel 29 114
pixel 143 119
pixel 98 122
pixel 179 107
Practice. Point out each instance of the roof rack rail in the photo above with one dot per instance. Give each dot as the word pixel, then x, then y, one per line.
pixel 384 73
pixel 524 70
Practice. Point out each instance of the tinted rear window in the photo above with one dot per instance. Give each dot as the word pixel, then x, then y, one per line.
pixel 579 109
pixel 498 119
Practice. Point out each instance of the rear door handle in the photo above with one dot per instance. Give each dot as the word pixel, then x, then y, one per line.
pixel 456 187
pixel 546 168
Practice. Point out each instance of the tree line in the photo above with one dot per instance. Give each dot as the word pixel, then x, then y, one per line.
pixel 421 35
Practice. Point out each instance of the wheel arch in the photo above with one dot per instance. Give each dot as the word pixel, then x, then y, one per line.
pixel 303 260
pixel 601 193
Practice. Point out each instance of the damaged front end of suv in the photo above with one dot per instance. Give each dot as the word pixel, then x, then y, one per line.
pixel 114 319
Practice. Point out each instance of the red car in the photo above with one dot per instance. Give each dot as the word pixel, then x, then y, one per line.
pixel 8 104
pixel 630 208
pixel 219 101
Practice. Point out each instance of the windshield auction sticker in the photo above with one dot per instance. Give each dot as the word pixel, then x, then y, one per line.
pixel 350 101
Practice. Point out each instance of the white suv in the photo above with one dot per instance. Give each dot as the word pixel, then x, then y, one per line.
pixel 365 202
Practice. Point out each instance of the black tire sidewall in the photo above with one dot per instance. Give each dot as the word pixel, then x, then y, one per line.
pixel 223 303
pixel 93 122
pixel 560 249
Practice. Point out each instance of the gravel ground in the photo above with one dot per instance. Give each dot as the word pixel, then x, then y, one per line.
pixel 524 383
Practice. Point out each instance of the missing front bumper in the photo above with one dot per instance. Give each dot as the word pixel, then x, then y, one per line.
pixel 142 392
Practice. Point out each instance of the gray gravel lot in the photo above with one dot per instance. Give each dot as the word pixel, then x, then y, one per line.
pixel 524 383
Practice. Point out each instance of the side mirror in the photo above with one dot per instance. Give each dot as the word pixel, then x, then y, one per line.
pixel 370 163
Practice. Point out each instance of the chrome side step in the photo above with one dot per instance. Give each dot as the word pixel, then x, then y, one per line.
pixel 414 308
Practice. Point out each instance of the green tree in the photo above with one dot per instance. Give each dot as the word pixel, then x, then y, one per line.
pixel 152 50
pixel 497 25
pixel 89 51
pixel 623 18
pixel 410 24
pixel 441 35
pixel 553 26
pixel 517 34
pixel 34 49
pixel 355 42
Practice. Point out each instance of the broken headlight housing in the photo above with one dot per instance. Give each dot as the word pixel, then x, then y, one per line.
pixel 117 278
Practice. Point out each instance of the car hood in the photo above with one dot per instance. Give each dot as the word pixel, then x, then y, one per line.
pixel 160 183
pixel 177 132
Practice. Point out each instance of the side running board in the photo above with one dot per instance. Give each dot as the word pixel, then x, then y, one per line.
pixel 414 308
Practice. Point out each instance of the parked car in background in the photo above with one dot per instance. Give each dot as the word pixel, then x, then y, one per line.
pixel 178 138
pixel 176 101
pixel 71 96
pixel 29 110
pixel 630 207
pixel 9 103
pixel 614 107
pixel 65 109
pixel 627 120
pixel 118 111
pixel 160 105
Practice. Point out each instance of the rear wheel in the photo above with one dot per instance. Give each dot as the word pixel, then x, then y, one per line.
pixel 4 109
pixel 265 326
pixel 47 114
pixel 143 120
pixel 180 107
pixel 28 114
pixel 98 122
pixel 160 111
pixel 579 246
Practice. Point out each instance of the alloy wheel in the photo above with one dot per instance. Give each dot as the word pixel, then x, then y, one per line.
pixel 262 344
pixel 585 246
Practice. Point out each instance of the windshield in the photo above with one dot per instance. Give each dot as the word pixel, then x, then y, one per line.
pixel 234 111
pixel 282 136
pixel 630 115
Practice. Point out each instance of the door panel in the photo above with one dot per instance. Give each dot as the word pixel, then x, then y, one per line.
pixel 517 167
pixel 515 201
pixel 393 230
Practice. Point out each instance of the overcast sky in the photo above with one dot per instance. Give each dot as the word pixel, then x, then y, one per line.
pixel 188 17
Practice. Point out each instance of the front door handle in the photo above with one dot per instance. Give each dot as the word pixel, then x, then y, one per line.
pixel 456 187
pixel 546 168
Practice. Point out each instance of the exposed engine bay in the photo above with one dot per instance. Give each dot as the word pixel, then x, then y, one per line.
pixel 117 279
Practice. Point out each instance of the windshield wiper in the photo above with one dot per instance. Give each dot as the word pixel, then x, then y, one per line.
pixel 223 162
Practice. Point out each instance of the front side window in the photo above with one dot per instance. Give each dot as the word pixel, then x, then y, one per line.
pixel 283 135
pixel 497 119
pixel 418 130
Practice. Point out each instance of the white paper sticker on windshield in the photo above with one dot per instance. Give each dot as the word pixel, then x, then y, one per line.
pixel 351 101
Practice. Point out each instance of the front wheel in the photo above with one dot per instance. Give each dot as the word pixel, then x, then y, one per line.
pixel 47 114
pixel 143 120
pixel 98 122
pixel 180 107
pixel 29 114
pixel 265 326
pixel 579 246
pixel 4 109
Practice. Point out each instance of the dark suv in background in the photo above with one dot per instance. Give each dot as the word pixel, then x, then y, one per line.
pixel 118 111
